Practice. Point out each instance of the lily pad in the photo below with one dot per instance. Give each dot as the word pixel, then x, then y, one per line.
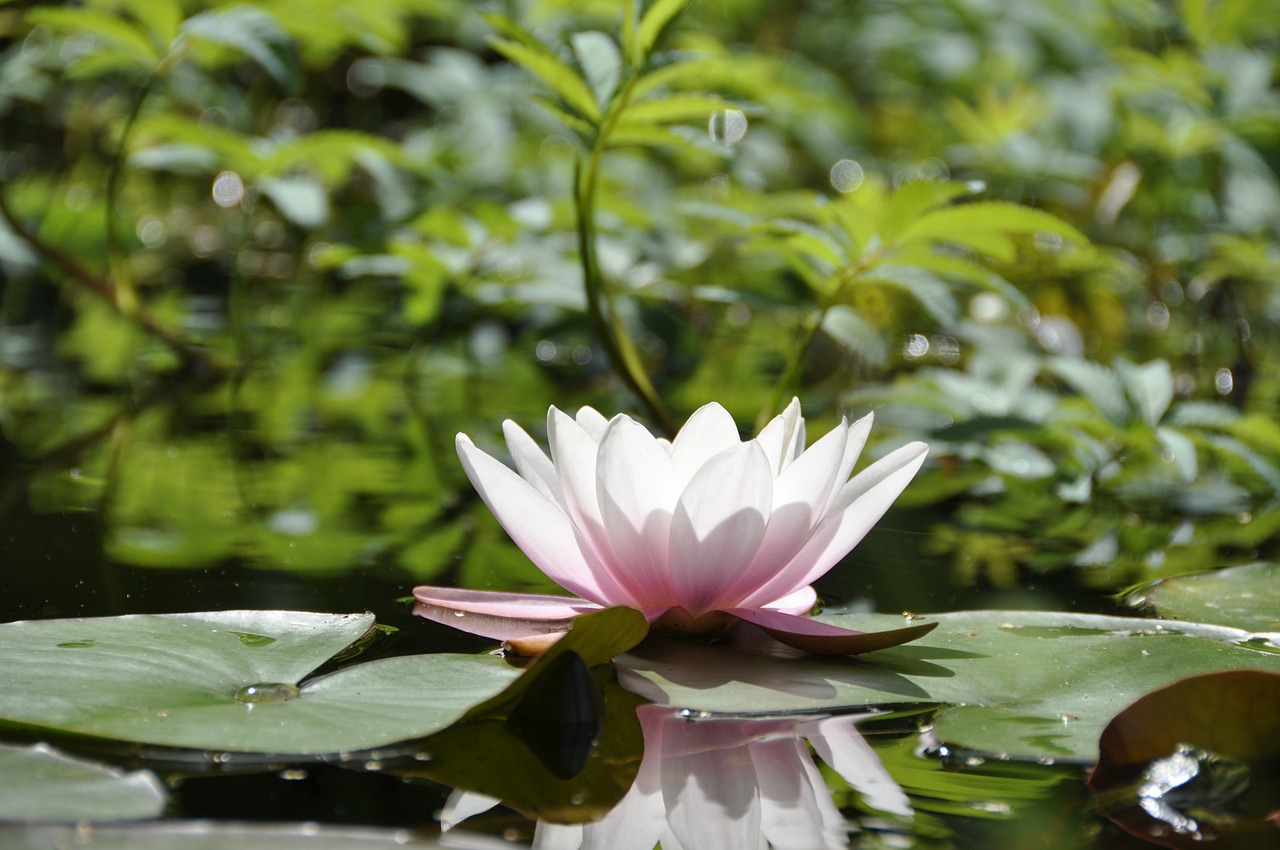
pixel 232 681
pixel 1196 761
pixel 1021 684
pixel 1246 597
pixel 210 835
pixel 38 783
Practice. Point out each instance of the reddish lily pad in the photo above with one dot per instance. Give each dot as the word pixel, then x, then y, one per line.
pixel 1196 761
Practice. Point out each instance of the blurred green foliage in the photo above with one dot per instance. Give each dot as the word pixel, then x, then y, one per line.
pixel 263 259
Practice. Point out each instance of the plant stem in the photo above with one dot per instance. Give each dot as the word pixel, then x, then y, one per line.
pixel 614 338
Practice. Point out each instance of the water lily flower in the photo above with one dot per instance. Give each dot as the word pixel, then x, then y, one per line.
pixel 698 533
pixel 724 783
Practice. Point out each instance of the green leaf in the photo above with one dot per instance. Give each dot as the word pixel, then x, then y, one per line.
pixel 931 292
pixel 230 681
pixel 1150 386
pixel 973 224
pixel 674 108
pixel 653 22
pixel 1095 382
pixel 254 33
pixel 114 32
pixel 1246 597
pixel 1026 684
pixel 912 200
pixel 162 18
pixel 601 63
pixel 554 74
pixel 302 200
pixel 38 783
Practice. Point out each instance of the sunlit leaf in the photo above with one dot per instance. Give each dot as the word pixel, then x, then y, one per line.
pixel 253 32
pixel 655 19
pixel 601 63
pixel 981 218
pixel 554 74
pixel 119 35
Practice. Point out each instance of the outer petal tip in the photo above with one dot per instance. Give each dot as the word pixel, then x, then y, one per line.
pixel 819 638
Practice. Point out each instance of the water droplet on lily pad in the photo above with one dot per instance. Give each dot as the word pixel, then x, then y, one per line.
pixel 250 639
pixel 267 692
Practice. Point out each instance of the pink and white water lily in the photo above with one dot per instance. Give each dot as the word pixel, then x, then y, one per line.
pixel 698 533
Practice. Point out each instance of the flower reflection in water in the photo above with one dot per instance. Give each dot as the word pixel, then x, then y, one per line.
pixel 726 783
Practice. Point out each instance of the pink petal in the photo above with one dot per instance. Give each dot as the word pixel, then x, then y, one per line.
pixel 536 524
pixel 800 495
pixel 857 507
pixel 823 638
pixel 637 490
pixel 718 525
pixel 502 616
pixel 782 435
pixel 709 431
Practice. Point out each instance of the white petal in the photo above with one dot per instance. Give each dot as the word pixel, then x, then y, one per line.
pixel 532 462
pixel 709 431
pixel 718 525
pixel 797 812
pixel 573 452
pixel 857 507
pixel 799 603
pixel 537 525
pixel 856 441
pixel 557 836
pixel 637 491
pixel 778 438
pixel 462 805
pixel 709 785
pixel 838 743
pixel 593 422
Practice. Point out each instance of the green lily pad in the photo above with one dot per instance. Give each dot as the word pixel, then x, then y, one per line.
pixel 1020 683
pixel 212 835
pixel 38 783
pixel 1246 597
pixel 231 681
